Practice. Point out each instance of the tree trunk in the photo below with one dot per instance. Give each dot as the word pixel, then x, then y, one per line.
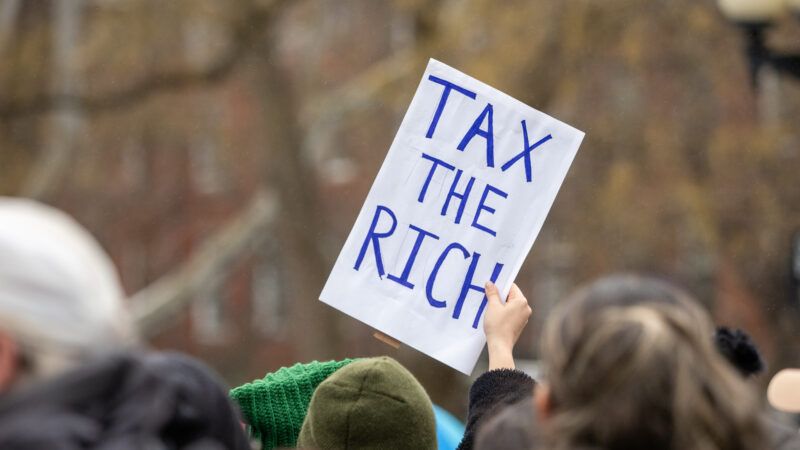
pixel 67 121
pixel 300 232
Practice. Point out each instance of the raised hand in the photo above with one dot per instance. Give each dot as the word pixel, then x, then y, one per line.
pixel 503 324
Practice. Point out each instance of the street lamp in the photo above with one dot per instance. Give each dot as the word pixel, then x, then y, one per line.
pixel 754 17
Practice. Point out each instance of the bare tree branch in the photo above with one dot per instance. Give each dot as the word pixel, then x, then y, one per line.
pixel 368 85
pixel 154 306
pixel 245 34
pixel 322 117
pixel 364 87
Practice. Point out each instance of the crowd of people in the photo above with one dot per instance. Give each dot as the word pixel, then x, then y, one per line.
pixel 629 363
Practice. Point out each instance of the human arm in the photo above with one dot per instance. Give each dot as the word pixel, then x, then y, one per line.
pixel 503 324
pixel 502 384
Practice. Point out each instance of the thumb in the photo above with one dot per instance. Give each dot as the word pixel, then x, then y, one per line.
pixel 492 293
pixel 515 294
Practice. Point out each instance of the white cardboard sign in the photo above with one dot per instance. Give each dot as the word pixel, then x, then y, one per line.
pixel 459 200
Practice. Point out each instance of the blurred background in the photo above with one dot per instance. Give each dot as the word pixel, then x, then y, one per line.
pixel 220 151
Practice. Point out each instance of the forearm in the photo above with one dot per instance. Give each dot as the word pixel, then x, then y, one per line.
pixel 503 324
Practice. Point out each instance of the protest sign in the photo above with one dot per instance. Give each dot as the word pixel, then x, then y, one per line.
pixel 459 200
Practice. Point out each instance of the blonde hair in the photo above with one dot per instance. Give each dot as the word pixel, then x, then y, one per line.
pixel 630 363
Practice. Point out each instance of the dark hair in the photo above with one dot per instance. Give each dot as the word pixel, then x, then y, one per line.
pixel 739 349
pixel 513 428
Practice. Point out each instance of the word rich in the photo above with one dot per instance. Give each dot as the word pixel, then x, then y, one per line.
pixel 460 190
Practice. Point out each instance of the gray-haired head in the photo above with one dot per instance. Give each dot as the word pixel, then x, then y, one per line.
pixel 60 296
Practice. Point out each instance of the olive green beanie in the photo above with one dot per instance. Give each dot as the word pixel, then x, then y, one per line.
pixel 373 403
pixel 275 406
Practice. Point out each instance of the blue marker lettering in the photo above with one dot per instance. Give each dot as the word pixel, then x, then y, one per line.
pixel 526 154
pixel 488 134
pixel 483 207
pixel 462 197
pixel 436 163
pixel 448 86
pixel 403 279
pixel 432 278
pixel 374 237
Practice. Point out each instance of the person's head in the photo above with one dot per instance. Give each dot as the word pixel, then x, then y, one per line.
pixel 371 403
pixel 629 364
pixel 513 428
pixel 60 297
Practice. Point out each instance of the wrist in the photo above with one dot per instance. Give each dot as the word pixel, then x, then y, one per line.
pixel 501 356
pixel 500 345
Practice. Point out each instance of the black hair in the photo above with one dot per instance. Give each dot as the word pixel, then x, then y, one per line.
pixel 739 349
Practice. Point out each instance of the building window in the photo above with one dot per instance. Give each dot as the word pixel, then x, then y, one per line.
pixel 208 316
pixel 269 312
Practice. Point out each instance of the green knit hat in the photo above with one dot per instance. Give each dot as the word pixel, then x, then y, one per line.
pixel 276 405
pixel 374 403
